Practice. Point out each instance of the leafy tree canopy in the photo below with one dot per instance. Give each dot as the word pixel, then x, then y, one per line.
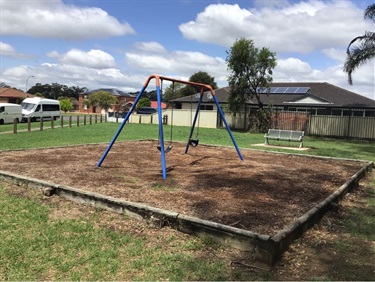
pixel 102 99
pixel 362 48
pixel 251 70
pixel 143 102
pixel 55 90
pixel 66 104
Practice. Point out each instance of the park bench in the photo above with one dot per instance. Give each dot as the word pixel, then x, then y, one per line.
pixel 286 135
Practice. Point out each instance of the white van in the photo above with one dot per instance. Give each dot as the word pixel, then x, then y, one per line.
pixel 9 112
pixel 35 108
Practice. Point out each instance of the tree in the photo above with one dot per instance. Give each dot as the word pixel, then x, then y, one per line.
pixel 199 77
pixel 173 91
pixel 203 77
pixel 363 50
pixel 143 102
pixel 251 73
pixel 55 90
pixel 103 99
pixel 65 104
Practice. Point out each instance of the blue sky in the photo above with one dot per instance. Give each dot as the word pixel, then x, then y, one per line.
pixel 119 43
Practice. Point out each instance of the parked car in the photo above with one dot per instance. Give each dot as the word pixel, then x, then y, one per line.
pixel 146 110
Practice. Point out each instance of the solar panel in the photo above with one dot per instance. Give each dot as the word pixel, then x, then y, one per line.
pixel 280 90
pixel 302 90
pixel 291 90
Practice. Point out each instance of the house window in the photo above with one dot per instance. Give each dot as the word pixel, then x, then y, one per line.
pixel 207 107
pixel 336 112
pixel 358 113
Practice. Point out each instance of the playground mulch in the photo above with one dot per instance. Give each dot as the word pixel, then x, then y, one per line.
pixel 264 193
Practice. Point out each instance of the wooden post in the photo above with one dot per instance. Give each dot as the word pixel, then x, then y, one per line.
pixel 96 118
pixel 15 125
pixel 90 119
pixel 52 122
pixel 62 121
pixel 28 124
pixel 77 120
pixel 70 121
pixel 101 118
pixel 41 123
pixel 84 120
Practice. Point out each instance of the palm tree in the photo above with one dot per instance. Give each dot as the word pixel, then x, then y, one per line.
pixel 364 50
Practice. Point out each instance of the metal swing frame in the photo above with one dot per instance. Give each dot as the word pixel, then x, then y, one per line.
pixel 158 79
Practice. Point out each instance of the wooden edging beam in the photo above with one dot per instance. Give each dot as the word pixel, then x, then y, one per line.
pixel 264 250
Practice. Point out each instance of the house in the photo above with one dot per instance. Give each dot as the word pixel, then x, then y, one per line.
pixel 315 98
pixel 11 95
pixel 125 101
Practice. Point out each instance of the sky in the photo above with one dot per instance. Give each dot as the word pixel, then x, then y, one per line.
pixel 120 43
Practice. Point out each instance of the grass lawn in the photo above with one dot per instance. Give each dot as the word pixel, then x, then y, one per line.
pixel 39 243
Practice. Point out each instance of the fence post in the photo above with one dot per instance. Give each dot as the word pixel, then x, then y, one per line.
pixel 62 121
pixel 101 118
pixel 52 122
pixel 70 121
pixel 15 125
pixel 84 119
pixel 96 118
pixel 90 119
pixel 28 124
pixel 41 123
pixel 78 121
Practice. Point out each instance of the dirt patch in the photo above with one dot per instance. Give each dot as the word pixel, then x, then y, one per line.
pixel 264 193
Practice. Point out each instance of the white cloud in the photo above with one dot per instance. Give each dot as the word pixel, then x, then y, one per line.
pixel 175 63
pixel 94 58
pixel 300 27
pixel 150 47
pixel 54 19
pixel 7 50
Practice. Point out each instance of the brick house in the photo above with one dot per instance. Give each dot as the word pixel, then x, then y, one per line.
pixel 125 100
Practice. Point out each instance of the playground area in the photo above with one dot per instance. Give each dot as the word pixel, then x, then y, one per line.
pixel 263 193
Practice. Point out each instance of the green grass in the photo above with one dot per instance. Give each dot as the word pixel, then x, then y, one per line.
pixel 35 247
pixel 104 132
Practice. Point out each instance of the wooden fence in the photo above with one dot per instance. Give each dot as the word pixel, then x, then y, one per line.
pixel 330 126
pixel 63 121
pixel 346 126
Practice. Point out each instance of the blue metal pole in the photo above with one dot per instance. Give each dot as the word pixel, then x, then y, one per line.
pixel 226 125
pixel 193 125
pixel 161 133
pixel 121 127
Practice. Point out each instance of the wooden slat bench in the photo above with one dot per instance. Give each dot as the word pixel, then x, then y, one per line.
pixel 286 135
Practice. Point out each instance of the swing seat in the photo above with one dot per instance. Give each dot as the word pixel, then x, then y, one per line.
pixel 167 149
pixel 194 142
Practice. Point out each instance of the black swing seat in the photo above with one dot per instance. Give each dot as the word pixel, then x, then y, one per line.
pixel 167 149
pixel 194 142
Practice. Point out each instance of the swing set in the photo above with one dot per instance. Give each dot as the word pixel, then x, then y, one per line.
pixel 161 146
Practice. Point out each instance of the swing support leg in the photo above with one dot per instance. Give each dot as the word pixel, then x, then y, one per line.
pixel 228 129
pixel 194 122
pixel 161 131
pixel 121 127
